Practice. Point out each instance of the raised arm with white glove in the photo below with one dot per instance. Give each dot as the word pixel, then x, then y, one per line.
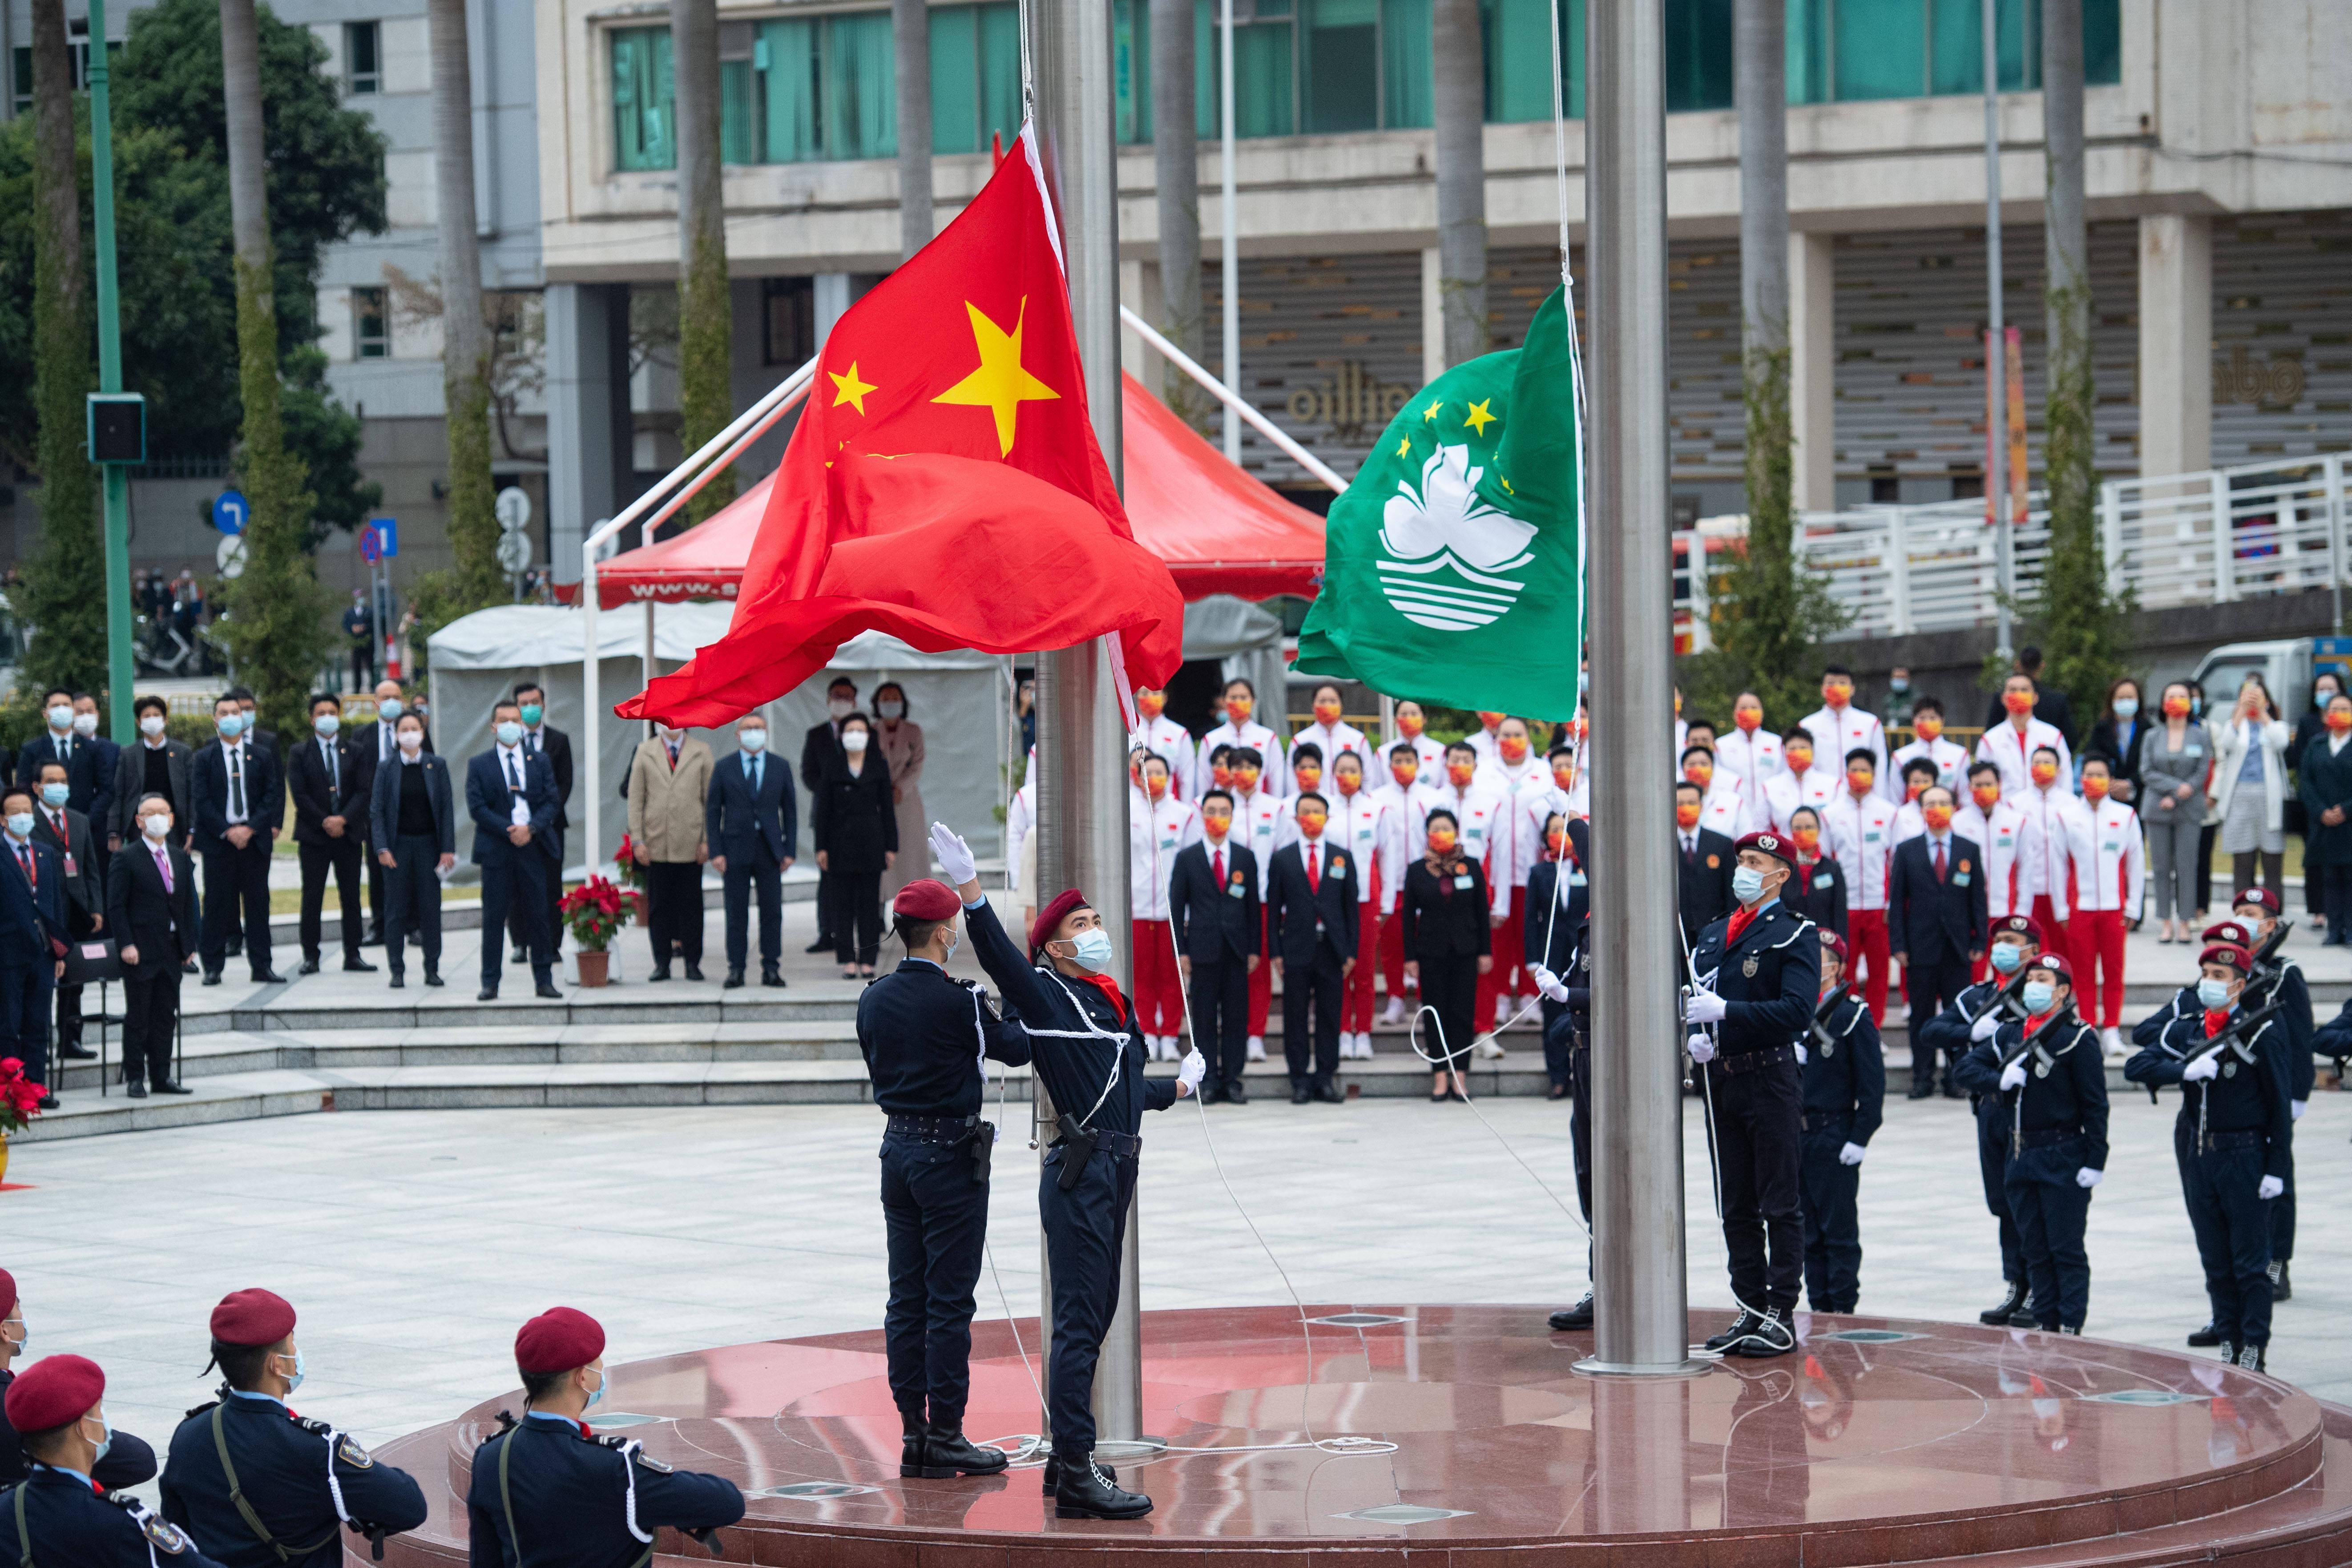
pixel 953 855
pixel 1549 983
pixel 1987 1026
pixel 1189 1074
pixel 2203 1067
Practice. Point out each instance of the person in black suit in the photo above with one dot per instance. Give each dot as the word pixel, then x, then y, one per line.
pixel 1935 925
pixel 101 801
pixel 1558 879
pixel 240 798
pixel 1816 889
pixel 58 743
pixel 510 795
pixel 541 739
pixel 267 739
pixel 379 747
pixel 412 817
pixel 1212 901
pixel 750 820
pixel 156 765
pixel 1447 945
pixel 66 831
pixel 150 903
pixel 1311 921
pixel 854 827
pixel 819 747
pixel 32 917
pixel 330 814
pixel 1706 860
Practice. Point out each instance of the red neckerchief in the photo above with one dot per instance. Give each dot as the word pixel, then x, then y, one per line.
pixel 1739 920
pixel 2215 1022
pixel 2036 1021
pixel 1109 988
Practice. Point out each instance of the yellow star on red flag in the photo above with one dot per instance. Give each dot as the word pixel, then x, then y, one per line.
pixel 849 389
pixel 1001 384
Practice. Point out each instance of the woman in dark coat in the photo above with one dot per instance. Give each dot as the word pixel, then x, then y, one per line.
pixel 1816 884
pixel 855 828
pixel 1447 946
pixel 2308 728
pixel 2326 792
pixel 2117 736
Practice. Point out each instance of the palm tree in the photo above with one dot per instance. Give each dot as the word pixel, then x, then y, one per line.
pixel 1458 82
pixel 465 329
pixel 706 317
pixel 1176 160
pixel 911 44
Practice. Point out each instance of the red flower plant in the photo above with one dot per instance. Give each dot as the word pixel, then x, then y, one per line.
pixel 631 874
pixel 20 1098
pixel 592 911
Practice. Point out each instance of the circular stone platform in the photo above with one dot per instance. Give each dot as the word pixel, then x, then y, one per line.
pixel 1878 1441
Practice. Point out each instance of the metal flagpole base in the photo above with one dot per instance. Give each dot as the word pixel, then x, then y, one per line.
pixel 1593 1366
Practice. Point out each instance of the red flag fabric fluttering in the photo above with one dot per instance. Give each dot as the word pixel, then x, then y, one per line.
pixel 943 484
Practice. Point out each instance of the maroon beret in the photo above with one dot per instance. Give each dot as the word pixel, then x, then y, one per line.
pixel 1040 930
pixel 2228 953
pixel 2261 899
pixel 53 1391
pixel 2025 926
pixel 7 1292
pixel 252 1316
pixel 558 1340
pixel 2233 933
pixel 927 900
pixel 1784 850
pixel 2056 964
pixel 1834 943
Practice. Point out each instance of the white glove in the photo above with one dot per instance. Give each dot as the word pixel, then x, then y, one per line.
pixel 1987 1026
pixel 1802 1055
pixel 2271 1186
pixel 2295 1108
pixel 1701 1048
pixel 2201 1068
pixel 2087 1178
pixel 1190 1074
pixel 1704 1007
pixel 1852 1154
pixel 2013 1075
pixel 1549 983
pixel 953 855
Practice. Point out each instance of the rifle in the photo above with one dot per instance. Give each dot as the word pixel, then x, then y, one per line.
pixel 2247 1024
pixel 1820 1036
pixel 2268 969
pixel 2026 1043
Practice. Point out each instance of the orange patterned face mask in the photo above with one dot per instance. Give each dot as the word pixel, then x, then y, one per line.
pixel 1749 717
pixel 2019 703
pixel 1557 842
pixel 1936 817
pixel 1224 774
pixel 1155 784
pixel 1327 712
pixel 1404 774
pixel 1563 773
pixel 1513 747
pixel 1152 704
pixel 1926 726
pixel 1237 710
pixel 2175 707
pixel 1245 777
pixel 1685 813
pixel 2044 773
pixel 1800 758
pixel 1914 790
pixel 1459 773
pixel 1699 774
pixel 1409 726
pixel 1860 779
pixel 1986 795
pixel 2095 788
pixel 1311 821
pixel 1838 691
pixel 1349 780
pixel 1441 841
pixel 1808 838
pixel 1309 775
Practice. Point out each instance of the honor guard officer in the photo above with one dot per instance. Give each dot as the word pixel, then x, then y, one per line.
pixel 58 1514
pixel 1973 1016
pixel 1560 900
pixel 2277 977
pixel 1568 1049
pixel 1089 1055
pixel 548 1492
pixel 2231 1139
pixel 1758 972
pixel 1844 1088
pixel 259 1487
pixel 924 1034
pixel 2051 1082
pixel 128 1461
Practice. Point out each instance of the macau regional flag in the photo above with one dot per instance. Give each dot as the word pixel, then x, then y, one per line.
pixel 1451 568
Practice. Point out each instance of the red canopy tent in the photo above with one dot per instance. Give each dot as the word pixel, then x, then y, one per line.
pixel 1219 531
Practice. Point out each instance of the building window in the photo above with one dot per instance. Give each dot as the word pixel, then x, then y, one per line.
pixel 363 57
pixel 370 324
pixel 645 125
pixel 788 306
pixel 1860 49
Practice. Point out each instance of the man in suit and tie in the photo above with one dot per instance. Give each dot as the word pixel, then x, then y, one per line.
pixel 380 749
pixel 58 743
pixel 100 805
pixel 156 765
pixel 151 903
pixel 510 795
pixel 330 814
pixel 751 822
pixel 1937 922
pixel 1212 905
pixel 818 748
pixel 255 736
pixel 541 739
pixel 32 916
pixel 66 831
pixel 240 798
pixel 1706 860
pixel 1311 921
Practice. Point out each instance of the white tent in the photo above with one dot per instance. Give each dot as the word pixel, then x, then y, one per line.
pixel 475 661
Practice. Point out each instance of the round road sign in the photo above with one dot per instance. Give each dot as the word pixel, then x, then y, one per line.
pixel 230 555
pixel 513 510
pixel 514 551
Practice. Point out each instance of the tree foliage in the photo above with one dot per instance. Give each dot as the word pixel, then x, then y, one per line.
pixel 2084 630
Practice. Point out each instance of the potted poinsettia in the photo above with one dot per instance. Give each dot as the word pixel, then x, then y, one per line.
pixel 632 879
pixel 20 1101
pixel 592 911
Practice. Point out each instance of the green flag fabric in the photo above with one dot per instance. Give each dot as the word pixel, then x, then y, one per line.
pixel 1452 569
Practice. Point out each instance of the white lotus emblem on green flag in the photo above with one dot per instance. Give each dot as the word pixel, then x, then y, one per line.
pixel 1453 572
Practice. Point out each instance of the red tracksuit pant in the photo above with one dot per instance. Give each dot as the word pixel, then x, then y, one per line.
pixel 2055 937
pixel 1509 975
pixel 1866 934
pixel 2095 937
pixel 1356 993
pixel 1159 998
pixel 1261 982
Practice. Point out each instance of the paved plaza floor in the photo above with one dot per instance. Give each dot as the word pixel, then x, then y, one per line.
pixel 412 1243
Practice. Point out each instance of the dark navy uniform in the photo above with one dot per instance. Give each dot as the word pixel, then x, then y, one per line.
pixel 1089 1054
pixel 129 1460
pixel 573 1500
pixel 1843 1086
pixel 923 1034
pixel 303 1481
pixel 2287 985
pixel 2057 1127
pixel 1769 978
pixel 61 1517
pixel 1949 1032
pixel 1568 1040
pixel 1554 934
pixel 2232 1130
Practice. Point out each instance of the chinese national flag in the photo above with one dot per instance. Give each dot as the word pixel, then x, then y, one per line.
pixel 943 484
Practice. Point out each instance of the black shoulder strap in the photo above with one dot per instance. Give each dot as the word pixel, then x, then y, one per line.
pixel 23 1536
pixel 506 1492
pixel 245 1509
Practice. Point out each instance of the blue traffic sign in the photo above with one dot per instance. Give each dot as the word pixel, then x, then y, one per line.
pixel 229 511
pixel 387 534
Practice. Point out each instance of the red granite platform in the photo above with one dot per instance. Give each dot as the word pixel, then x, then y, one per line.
pixel 1881 1441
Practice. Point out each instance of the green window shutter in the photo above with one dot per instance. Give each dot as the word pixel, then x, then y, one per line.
pixel 739 125
pixel 1519 60
pixel 644 128
pixel 1881 49
pixel 1131 67
pixel 1404 64
pixel 1000 71
pixel 955 78
pixel 791 116
pixel 1262 76
pixel 861 104
pixel 1806 42
pixel 1698 55
pixel 2103 42
pixel 1341 40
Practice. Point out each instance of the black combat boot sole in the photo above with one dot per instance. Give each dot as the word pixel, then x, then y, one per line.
pixel 1080 1511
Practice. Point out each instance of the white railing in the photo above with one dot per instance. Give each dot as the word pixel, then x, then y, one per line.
pixel 2207 538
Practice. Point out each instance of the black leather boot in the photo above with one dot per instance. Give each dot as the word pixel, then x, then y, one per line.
pixel 2206 1338
pixel 2254 1358
pixel 947 1452
pixel 2006 1307
pixel 1568 1320
pixel 912 1435
pixel 1741 1327
pixel 1053 1476
pixel 1086 1493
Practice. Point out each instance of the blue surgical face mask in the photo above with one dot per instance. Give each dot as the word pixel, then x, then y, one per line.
pixel 104 1443
pixel 2039 994
pixel 55 794
pixel 596 1395
pixel 752 740
pixel 1899 684
pixel 61 717
pixel 326 724
pixel 20 823
pixel 533 712
pixel 294 1378
pixel 510 733
pixel 2007 957
pixel 2127 707
pixel 1093 950
pixel 230 725
pixel 2214 994
pixel 2318 699
pixel 1746 884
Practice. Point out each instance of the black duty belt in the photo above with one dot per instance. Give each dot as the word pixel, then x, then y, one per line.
pixel 1128 1143
pixel 1817 1120
pixel 2047 1137
pixel 933 1129
pixel 1754 1061
pixel 2213 1143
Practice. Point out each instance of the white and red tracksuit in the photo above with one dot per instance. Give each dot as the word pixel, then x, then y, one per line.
pixel 2110 882
pixel 1951 764
pixel 1431 752
pixel 1259 739
pixel 1257 820
pixel 2052 813
pixel 1333 739
pixel 1860 834
pixel 1404 832
pixel 2013 753
pixel 1837 730
pixel 1165 738
pixel 1355 826
pixel 2009 840
pixel 1753 759
pixel 1516 848
pixel 1156 831
pixel 1787 790
pixel 1724 809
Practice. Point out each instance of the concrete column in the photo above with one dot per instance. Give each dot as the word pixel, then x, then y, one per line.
pixel 588 423
pixel 1812 361
pixel 2175 344
pixel 1139 290
pixel 835 295
pixel 1432 318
